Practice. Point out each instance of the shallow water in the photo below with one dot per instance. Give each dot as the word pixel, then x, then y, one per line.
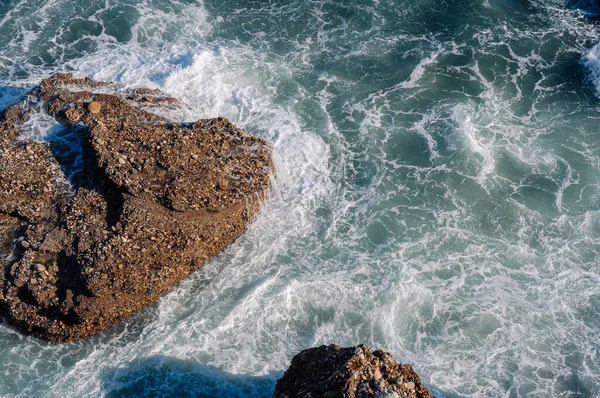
pixel 438 191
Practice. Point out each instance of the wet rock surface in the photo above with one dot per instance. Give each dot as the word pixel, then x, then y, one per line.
pixel 89 238
pixel 353 372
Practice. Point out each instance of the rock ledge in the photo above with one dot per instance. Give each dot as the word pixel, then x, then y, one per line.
pixel 116 206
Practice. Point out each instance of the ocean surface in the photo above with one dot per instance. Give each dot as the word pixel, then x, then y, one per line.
pixel 438 190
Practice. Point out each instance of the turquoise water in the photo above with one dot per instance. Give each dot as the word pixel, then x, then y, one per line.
pixel 438 191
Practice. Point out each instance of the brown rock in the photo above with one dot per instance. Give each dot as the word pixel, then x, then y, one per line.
pixel 224 185
pixel 39 267
pixel 94 107
pixel 120 233
pixel 72 115
pixel 377 374
pixel 353 372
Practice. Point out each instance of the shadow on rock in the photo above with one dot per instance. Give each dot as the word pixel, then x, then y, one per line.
pixel 162 376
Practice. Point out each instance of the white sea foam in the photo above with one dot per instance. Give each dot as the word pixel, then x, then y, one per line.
pixel 454 224
pixel 475 141
pixel 592 61
pixel 419 70
pixel 210 83
pixel 37 127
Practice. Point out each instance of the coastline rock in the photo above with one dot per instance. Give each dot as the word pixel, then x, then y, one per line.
pixel 109 229
pixel 353 372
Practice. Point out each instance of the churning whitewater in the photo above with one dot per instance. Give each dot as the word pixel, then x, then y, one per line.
pixel 438 190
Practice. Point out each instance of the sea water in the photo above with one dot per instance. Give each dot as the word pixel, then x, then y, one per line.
pixel 438 190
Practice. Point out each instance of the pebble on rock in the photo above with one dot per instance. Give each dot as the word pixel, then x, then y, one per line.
pixel 223 185
pixel 94 107
pixel 72 115
pixel 25 244
pixel 377 374
pixel 39 267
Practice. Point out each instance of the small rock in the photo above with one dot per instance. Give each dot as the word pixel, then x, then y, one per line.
pixel 39 267
pixel 387 394
pixel 377 374
pixel 333 368
pixel 94 107
pixel 410 385
pixel 25 244
pixel 122 161
pixel 224 185
pixel 72 115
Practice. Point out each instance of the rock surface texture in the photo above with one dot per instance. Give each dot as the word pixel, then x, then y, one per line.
pixel 354 372
pixel 116 206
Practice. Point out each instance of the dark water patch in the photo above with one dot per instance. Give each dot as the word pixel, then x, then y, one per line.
pixel 163 376
pixel 589 8
pixel 67 145
pixel 10 95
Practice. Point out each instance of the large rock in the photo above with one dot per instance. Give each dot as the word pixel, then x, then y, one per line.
pixel 353 372
pixel 91 234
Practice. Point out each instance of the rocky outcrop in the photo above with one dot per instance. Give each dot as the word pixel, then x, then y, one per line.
pixel 117 206
pixel 354 372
